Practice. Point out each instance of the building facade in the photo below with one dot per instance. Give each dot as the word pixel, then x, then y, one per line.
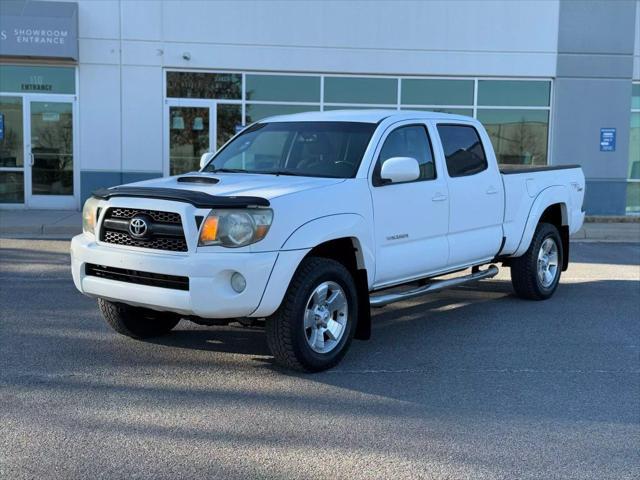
pixel 99 93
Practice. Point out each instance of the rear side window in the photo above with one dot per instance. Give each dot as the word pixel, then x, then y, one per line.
pixel 409 141
pixel 462 149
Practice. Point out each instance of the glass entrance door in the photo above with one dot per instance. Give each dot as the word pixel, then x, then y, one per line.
pixel 11 150
pixel 50 154
pixel 196 127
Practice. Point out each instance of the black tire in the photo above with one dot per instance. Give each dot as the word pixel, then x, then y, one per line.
pixel 286 335
pixel 136 322
pixel 524 269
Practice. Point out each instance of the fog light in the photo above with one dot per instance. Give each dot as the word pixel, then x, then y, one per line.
pixel 238 282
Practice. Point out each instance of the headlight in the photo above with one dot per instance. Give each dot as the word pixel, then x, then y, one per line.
pixel 235 228
pixel 89 215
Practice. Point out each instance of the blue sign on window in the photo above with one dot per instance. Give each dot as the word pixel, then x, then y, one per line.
pixel 607 139
pixel 1 126
pixel 239 127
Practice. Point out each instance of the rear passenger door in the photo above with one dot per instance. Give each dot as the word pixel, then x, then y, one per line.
pixel 411 218
pixel 476 195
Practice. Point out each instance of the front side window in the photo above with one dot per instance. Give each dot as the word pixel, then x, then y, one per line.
pixel 410 141
pixel 313 149
pixel 462 150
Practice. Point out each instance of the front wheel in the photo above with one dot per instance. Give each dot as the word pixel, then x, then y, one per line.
pixel 535 275
pixel 313 328
pixel 136 322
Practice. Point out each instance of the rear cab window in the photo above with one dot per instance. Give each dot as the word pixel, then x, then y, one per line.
pixel 407 141
pixel 463 150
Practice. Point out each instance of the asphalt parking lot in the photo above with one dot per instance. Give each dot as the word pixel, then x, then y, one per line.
pixel 469 383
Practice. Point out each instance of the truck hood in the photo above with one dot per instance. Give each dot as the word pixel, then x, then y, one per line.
pixel 241 184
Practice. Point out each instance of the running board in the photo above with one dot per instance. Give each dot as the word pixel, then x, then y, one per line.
pixel 434 286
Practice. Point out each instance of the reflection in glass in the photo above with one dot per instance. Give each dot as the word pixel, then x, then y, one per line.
pixel 633 188
pixel 204 85
pixel 11 146
pixel 516 93
pixel 51 148
pixel 456 111
pixel 383 91
pixel 187 141
pixel 11 187
pixel 519 137
pixel 635 96
pixel 283 88
pixel 437 92
pixel 228 118
pixel 256 111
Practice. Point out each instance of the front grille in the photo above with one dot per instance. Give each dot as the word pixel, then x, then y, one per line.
pixel 163 217
pixel 134 276
pixel 165 230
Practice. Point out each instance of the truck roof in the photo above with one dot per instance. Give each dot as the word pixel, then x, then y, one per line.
pixel 365 116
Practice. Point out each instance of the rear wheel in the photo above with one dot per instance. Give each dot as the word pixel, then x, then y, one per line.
pixel 136 322
pixel 313 328
pixel 535 275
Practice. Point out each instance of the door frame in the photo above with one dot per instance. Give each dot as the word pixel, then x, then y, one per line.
pixel 211 104
pixel 46 202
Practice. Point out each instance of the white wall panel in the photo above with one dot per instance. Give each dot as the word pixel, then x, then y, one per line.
pixel 99 102
pixel 141 20
pixel 99 18
pixel 142 119
pixel 436 25
pixel 355 61
pixel 99 51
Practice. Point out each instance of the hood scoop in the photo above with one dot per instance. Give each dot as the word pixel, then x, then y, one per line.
pixel 198 179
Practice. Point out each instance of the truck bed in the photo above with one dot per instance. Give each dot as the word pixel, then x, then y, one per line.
pixel 506 169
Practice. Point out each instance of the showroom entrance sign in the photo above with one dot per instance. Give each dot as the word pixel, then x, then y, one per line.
pixel 39 29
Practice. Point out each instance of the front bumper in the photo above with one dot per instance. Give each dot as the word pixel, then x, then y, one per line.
pixel 210 294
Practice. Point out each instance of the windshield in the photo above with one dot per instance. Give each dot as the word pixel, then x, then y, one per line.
pixel 313 149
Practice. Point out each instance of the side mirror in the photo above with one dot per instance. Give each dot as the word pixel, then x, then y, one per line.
pixel 400 169
pixel 205 158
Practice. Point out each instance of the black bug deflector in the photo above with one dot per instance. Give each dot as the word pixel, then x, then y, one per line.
pixel 197 199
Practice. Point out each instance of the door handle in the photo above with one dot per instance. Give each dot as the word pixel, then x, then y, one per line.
pixel 32 159
pixel 438 197
pixel 492 190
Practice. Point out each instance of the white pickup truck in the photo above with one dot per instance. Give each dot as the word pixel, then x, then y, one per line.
pixel 304 222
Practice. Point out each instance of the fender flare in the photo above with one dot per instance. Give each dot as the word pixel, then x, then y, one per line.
pixel 308 236
pixel 547 197
pixel 333 227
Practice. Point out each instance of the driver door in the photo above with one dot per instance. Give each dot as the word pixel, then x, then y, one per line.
pixel 411 218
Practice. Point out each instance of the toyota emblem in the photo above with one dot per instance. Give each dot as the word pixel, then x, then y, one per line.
pixel 138 227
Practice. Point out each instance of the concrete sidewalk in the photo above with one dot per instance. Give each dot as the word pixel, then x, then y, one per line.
pixel 48 224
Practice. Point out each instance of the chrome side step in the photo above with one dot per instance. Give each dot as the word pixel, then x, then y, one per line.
pixel 434 286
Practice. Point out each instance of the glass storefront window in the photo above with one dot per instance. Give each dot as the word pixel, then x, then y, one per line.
pixel 456 111
pixel 11 187
pixel 228 117
pixel 348 107
pixel 221 86
pixel 518 136
pixel 635 96
pixel 257 111
pixel 633 186
pixel 283 88
pixel 381 91
pixel 633 198
pixel 30 79
pixel 188 138
pixel 516 93
pixel 436 92
pixel 11 145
